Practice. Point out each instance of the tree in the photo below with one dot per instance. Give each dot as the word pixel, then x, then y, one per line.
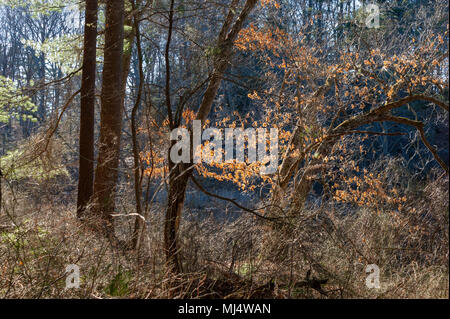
pixel 373 78
pixel 106 172
pixel 180 173
pixel 139 224
pixel 87 109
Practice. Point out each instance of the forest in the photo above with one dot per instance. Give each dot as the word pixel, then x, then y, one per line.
pixel 231 149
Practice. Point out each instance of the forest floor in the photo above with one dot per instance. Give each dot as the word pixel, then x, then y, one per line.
pixel 323 253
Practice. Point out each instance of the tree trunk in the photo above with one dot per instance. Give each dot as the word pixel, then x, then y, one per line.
pixel 129 35
pixel 180 174
pixel 178 179
pixel 106 172
pixel 87 109
pixel 139 225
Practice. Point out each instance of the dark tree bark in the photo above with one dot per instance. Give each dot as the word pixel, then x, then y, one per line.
pixel 87 109
pixel 139 223
pixel 180 173
pixel 106 172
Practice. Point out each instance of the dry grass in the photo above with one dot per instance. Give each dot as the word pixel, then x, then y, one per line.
pixel 245 258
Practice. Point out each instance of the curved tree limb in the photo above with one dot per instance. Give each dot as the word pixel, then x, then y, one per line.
pixel 419 126
pixel 201 188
